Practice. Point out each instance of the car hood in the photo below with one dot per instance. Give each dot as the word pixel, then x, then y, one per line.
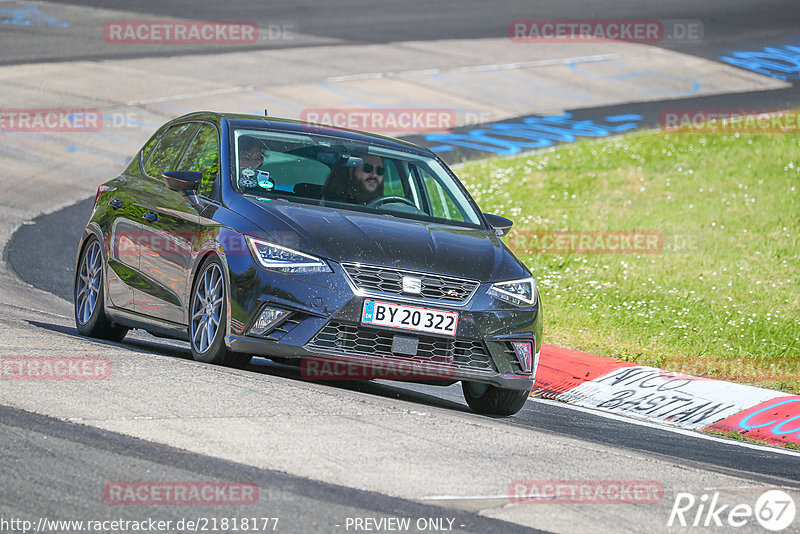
pixel 382 239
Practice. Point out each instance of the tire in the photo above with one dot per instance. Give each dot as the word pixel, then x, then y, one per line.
pixel 208 313
pixel 491 400
pixel 88 294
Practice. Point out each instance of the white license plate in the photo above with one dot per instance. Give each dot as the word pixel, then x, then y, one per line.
pixel 409 317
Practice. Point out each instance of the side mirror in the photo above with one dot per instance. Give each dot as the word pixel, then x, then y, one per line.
pixel 501 225
pixel 182 181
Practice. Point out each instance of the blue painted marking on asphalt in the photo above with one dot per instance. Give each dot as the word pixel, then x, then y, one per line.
pixel 118 139
pixel 349 97
pixel 623 118
pixel 38 157
pixel 552 89
pixel 781 63
pixel 70 148
pixel 30 135
pixel 280 101
pixel 29 16
pixel 117 121
pixel 109 157
pixel 173 107
pixel 695 85
pixel 492 93
pixel 532 132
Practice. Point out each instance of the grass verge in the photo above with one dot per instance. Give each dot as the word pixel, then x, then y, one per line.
pixel 719 296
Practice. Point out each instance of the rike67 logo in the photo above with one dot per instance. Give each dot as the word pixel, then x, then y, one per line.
pixel 774 510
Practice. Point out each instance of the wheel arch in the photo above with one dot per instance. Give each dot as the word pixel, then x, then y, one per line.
pixel 92 230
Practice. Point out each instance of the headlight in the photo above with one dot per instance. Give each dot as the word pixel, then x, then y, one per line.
pixel 518 292
pixel 285 260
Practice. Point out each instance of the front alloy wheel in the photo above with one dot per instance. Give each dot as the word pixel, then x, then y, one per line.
pixel 207 323
pixel 90 316
pixel 492 400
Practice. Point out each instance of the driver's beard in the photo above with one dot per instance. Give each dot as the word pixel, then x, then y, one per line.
pixel 364 197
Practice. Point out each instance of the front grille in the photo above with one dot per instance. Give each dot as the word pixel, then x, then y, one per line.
pixel 344 339
pixel 435 287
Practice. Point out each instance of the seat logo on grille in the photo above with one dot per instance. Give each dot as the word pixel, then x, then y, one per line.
pixel 412 285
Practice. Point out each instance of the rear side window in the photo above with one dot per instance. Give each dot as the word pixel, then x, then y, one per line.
pixel 203 155
pixel 165 156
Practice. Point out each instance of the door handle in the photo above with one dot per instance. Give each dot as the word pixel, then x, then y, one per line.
pixel 150 216
pixel 116 204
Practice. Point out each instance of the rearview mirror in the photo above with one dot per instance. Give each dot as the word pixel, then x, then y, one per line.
pixel 182 181
pixel 501 225
pixel 353 161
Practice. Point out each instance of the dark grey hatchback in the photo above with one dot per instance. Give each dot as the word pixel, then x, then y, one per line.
pixel 353 255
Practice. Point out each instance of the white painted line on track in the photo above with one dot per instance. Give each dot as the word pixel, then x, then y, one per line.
pixel 669 428
pixel 463 497
pixel 40 312
pixel 225 91
pixel 476 68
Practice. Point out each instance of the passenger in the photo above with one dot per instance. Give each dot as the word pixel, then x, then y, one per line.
pixel 250 155
pixel 357 185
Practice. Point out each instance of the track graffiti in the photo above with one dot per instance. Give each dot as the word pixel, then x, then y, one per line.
pixel 651 82
pixel 29 16
pixel 781 63
pixel 509 138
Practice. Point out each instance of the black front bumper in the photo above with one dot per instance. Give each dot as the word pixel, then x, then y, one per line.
pixel 326 323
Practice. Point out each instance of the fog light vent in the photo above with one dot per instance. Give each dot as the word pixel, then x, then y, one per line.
pixel 269 318
pixel 524 353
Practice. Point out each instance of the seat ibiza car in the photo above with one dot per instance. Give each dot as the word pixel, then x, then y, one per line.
pixel 353 255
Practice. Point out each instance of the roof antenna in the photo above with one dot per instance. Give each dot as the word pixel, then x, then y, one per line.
pixel 266 113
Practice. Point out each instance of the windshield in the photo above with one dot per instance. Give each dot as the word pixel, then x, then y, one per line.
pixel 347 175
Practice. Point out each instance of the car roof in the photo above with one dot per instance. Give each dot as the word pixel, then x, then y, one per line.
pixel 236 120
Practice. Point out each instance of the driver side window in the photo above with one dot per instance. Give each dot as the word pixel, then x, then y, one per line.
pixel 203 155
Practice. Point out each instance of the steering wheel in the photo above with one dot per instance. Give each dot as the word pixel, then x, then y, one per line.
pixel 384 200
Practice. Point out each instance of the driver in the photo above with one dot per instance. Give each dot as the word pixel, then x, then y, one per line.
pixel 366 182
pixel 359 185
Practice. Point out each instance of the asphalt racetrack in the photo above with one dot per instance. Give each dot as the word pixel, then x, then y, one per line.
pixel 331 457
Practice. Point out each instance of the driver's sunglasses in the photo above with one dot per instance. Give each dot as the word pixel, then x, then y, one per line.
pixel 368 168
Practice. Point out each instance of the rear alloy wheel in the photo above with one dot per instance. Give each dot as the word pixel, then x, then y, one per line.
pixel 492 400
pixel 90 316
pixel 209 312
